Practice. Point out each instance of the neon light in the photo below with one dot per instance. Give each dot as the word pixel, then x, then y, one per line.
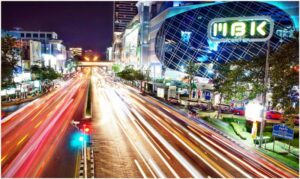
pixel 238 29
pixel 260 28
pixel 215 29
pixel 253 25
pixel 255 29
pixel 224 29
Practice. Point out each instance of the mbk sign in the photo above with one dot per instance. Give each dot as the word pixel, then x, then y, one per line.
pixel 251 29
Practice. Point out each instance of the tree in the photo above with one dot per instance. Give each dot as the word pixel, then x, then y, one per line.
pixel 9 60
pixel 44 73
pixel 191 69
pixel 127 73
pixel 241 79
pixel 116 68
pixel 284 75
pixel 131 74
pixel 139 75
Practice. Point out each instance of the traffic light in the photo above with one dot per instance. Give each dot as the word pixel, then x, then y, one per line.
pixel 86 130
pixel 81 138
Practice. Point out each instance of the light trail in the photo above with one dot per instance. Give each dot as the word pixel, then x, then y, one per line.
pixel 29 159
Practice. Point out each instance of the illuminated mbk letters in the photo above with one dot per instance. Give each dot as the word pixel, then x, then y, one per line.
pixel 238 29
pixel 257 28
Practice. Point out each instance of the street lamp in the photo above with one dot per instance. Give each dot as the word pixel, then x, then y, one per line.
pixel 87 59
pixel 95 58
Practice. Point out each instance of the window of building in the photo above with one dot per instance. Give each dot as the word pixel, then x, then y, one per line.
pixel 28 35
pixel 35 35
pixel 22 34
pixel 42 35
pixel 49 36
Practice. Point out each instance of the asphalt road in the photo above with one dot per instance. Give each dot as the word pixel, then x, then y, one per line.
pixel 131 127
pixel 31 136
pixel 121 147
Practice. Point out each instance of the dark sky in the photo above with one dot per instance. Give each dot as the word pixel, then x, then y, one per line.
pixel 84 24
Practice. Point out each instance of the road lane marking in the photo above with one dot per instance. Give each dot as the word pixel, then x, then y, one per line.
pixel 20 141
pixel 3 158
pixel 140 168
pixel 38 124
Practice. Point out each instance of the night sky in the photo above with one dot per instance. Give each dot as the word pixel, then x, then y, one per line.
pixel 78 24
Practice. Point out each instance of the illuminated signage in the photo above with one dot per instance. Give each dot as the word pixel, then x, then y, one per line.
pixel 254 29
pixel 185 36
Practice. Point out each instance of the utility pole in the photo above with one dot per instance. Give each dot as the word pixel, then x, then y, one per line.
pixel 264 97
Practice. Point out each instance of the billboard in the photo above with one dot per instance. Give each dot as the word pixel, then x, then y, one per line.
pixel 251 29
pixel 35 51
pixel 130 46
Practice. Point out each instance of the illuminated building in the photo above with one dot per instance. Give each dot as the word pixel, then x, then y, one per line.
pixel 180 34
pixel 123 13
pixel 75 51
pixel 41 48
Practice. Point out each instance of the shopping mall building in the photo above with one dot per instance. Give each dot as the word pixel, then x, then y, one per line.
pixel 164 36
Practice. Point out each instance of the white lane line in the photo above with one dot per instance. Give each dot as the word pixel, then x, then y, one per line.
pixel 122 126
pixel 179 157
pixel 181 141
pixel 140 169
pixel 129 114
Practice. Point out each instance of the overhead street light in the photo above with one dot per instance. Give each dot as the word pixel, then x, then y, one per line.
pixel 95 58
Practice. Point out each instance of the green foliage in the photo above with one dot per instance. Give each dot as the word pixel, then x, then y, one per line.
pixel 127 74
pixel 237 120
pixel 116 68
pixel 191 69
pixel 131 74
pixel 139 75
pixel 241 79
pixel 239 130
pixel 44 73
pixel 283 76
pixel 9 59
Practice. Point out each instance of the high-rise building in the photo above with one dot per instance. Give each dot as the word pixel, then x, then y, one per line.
pixel 123 13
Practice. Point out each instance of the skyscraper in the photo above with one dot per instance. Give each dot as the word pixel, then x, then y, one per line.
pixel 123 14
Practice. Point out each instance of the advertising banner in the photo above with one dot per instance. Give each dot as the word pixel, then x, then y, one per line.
pixel 35 51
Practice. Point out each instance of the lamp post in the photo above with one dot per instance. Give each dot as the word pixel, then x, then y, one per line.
pixel 84 147
pixel 264 96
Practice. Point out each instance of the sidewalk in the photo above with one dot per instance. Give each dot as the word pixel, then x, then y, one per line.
pixel 20 101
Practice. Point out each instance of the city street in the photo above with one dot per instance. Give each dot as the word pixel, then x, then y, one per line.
pixel 128 124
pixel 150 89
pixel 31 139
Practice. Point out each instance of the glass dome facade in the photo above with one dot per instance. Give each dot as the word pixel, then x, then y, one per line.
pixel 183 37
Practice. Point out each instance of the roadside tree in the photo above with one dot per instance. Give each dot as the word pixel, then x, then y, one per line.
pixel 9 60
pixel 191 69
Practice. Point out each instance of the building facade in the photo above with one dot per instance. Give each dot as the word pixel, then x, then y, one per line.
pixel 123 13
pixel 179 34
pixel 40 48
